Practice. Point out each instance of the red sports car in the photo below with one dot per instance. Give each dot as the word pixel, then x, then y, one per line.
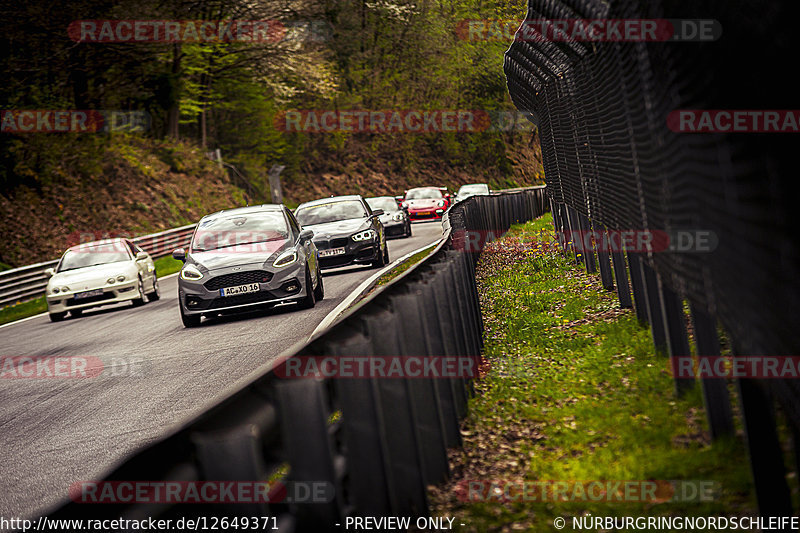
pixel 426 203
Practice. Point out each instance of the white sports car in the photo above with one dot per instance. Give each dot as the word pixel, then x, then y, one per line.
pixel 100 273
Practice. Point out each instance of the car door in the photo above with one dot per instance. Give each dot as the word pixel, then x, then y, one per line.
pixel 146 267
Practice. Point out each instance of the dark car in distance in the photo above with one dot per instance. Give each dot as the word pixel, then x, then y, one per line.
pixel 247 257
pixel 347 231
pixel 394 218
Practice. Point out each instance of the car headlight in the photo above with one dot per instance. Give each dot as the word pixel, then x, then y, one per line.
pixel 286 259
pixel 55 290
pixel 110 280
pixel 397 216
pixel 120 278
pixel 190 273
pixel 65 289
pixel 440 203
pixel 365 235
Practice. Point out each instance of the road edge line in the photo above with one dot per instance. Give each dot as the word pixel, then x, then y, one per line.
pixel 367 284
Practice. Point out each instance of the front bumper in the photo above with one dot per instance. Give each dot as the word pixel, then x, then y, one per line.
pixel 112 294
pixel 422 214
pixel 203 296
pixel 394 228
pixel 355 253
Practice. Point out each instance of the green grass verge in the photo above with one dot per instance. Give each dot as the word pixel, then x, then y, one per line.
pixel 167 265
pixel 164 267
pixel 574 392
pixel 4 266
pixel 405 265
pixel 21 310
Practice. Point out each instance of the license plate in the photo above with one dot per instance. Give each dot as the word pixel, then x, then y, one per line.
pixel 240 289
pixel 88 294
pixel 332 251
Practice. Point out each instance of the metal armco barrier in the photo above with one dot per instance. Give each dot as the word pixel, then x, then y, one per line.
pixel 617 158
pixel 28 282
pixel 370 445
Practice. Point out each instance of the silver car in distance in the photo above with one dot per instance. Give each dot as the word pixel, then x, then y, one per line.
pixel 244 258
pixel 100 273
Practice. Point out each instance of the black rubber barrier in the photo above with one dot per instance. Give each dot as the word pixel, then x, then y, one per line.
pixel 340 445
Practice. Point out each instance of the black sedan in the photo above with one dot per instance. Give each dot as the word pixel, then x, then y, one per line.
pixel 346 231
pixel 394 219
pixel 247 257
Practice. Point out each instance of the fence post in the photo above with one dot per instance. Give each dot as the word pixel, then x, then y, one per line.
pixel 675 333
pixel 715 391
pixel 654 306
pixel 637 283
pixel 604 259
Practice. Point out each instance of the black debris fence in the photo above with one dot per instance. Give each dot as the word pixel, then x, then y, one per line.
pixel 334 441
pixel 636 141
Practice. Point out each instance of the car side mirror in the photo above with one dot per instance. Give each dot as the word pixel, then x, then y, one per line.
pixel 49 272
pixel 306 235
pixel 141 256
pixel 179 254
pixel 377 212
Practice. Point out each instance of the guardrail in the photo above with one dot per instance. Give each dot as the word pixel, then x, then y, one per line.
pixel 369 445
pixel 28 282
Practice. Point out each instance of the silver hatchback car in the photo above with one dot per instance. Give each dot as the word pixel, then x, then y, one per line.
pixel 248 257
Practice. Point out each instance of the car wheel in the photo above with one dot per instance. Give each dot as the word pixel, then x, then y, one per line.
pixel 309 301
pixel 57 317
pixel 381 261
pixel 189 321
pixel 140 300
pixel 385 254
pixel 408 228
pixel 76 313
pixel 319 292
pixel 156 294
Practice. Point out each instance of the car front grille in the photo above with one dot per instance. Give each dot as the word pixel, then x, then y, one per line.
pixel 92 299
pixel 339 242
pixel 238 278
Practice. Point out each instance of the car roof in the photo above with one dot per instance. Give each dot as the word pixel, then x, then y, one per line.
pixel 246 210
pixel 427 187
pixel 379 198
pixel 332 198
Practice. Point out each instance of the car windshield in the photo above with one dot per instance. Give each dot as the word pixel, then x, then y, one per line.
pixel 418 194
pixel 474 189
pixel 87 255
pixel 225 231
pixel 330 212
pixel 387 204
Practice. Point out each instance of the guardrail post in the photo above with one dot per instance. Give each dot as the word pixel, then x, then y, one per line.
pixel 424 393
pixel 310 452
pixel 397 421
